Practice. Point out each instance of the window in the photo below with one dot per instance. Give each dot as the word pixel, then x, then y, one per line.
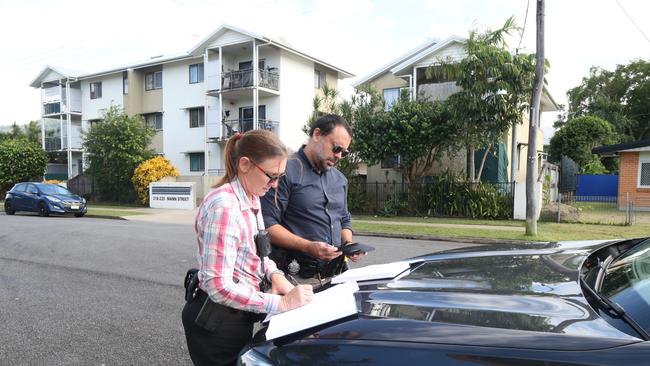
pixel 391 96
pixel 153 80
pixel 247 65
pixel 32 189
pixel 196 73
pixel 125 83
pixel 644 170
pixel 51 108
pixel 391 163
pixel 319 79
pixel 197 117
pixel 20 187
pixel 96 90
pixel 154 120
pixel 197 162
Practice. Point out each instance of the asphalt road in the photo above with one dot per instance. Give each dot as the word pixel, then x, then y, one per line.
pixel 84 291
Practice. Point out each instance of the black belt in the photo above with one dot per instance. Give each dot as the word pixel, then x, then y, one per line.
pixel 201 296
pixel 321 270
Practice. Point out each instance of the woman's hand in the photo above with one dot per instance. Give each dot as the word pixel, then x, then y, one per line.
pixel 280 285
pixel 300 295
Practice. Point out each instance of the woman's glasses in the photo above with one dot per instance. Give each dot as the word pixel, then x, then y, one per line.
pixel 339 149
pixel 272 178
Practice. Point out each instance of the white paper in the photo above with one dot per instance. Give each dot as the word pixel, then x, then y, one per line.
pixel 334 303
pixel 372 272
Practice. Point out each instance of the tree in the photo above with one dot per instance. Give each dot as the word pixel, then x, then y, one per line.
pixel 30 132
pixel 20 160
pixel 417 130
pixel 578 137
pixel 496 88
pixel 115 147
pixel 620 97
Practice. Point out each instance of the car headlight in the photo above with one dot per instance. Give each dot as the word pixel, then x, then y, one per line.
pixel 54 199
pixel 253 358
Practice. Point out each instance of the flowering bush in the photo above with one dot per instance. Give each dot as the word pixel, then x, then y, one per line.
pixel 148 171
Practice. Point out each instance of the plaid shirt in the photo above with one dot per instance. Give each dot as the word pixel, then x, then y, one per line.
pixel 229 268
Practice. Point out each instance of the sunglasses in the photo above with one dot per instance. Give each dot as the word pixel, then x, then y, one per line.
pixel 339 149
pixel 272 178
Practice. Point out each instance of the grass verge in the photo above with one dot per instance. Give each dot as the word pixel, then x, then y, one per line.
pixel 117 213
pixel 545 231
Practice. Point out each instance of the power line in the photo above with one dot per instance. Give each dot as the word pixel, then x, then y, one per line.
pixel 633 22
pixel 523 30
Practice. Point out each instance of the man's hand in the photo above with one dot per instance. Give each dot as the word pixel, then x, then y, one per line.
pixel 321 250
pixel 356 256
pixel 299 296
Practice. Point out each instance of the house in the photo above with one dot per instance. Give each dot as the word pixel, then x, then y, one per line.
pixel 634 172
pixel 408 72
pixel 232 81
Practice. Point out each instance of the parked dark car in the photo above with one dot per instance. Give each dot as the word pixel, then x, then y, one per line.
pixel 567 303
pixel 43 198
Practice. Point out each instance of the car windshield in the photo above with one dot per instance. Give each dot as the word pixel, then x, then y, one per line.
pixel 627 282
pixel 53 189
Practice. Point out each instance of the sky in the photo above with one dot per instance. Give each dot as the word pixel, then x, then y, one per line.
pixel 358 36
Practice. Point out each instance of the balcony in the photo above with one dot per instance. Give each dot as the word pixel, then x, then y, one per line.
pixel 231 127
pixel 267 78
pixel 54 100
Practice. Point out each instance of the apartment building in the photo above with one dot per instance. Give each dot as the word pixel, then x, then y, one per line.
pixel 232 81
pixel 408 71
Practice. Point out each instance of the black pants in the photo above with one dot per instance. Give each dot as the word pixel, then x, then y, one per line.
pixel 222 346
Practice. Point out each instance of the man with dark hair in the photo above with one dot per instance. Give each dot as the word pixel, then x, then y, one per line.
pixel 307 214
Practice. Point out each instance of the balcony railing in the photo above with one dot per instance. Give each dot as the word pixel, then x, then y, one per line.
pixel 267 78
pixel 52 143
pixel 231 127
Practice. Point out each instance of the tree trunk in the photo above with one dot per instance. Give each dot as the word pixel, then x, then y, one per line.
pixel 472 170
pixel 531 171
pixel 480 169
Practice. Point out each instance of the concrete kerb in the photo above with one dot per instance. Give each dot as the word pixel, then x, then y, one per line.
pixel 187 217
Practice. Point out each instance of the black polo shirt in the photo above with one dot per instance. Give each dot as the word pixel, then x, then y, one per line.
pixel 311 205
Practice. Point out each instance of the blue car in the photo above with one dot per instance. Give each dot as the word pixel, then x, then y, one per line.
pixel 43 198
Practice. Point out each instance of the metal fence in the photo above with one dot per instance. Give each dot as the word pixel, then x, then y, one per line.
pixel 83 185
pixel 445 199
pixel 618 210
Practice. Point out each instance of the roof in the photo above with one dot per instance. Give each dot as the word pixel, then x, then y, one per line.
pixel 412 61
pixel 639 145
pixel 428 43
pixel 194 52
pixel 65 73
pixel 198 49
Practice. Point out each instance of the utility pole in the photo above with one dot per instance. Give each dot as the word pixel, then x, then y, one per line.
pixel 532 201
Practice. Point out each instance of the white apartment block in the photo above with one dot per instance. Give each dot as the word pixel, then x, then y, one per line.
pixel 232 81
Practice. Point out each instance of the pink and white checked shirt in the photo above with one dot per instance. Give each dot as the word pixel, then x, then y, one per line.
pixel 229 268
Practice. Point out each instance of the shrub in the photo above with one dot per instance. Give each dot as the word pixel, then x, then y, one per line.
pixel 148 171
pixel 20 160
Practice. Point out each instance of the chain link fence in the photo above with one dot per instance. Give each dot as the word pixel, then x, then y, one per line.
pixel 613 210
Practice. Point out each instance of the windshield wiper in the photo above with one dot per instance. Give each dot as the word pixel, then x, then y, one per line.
pixel 613 309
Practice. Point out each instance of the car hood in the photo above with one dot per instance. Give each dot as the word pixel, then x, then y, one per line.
pixel 507 296
pixel 66 197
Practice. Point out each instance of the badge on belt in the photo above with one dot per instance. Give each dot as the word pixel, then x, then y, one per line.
pixel 293 267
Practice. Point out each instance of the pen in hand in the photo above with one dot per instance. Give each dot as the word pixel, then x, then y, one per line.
pixel 291 279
